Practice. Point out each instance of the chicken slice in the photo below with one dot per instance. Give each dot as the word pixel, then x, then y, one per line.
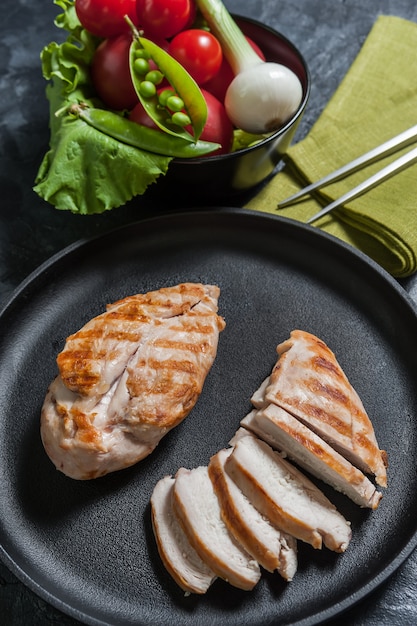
pixel 128 377
pixel 198 510
pixel 273 549
pixel 285 433
pixel 176 552
pixel 308 382
pixel 285 496
pixel 258 398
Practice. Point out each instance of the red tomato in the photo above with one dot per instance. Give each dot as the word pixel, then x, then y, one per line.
pixel 219 83
pixel 111 75
pixel 218 127
pixel 139 115
pixel 105 18
pixel 199 52
pixel 165 18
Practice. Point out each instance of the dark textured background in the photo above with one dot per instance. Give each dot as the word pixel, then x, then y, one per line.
pixel 329 33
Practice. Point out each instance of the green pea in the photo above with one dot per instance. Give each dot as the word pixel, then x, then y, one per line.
pixel 141 66
pixel 140 53
pixel 155 76
pixel 147 89
pixel 175 103
pixel 163 97
pixel 181 119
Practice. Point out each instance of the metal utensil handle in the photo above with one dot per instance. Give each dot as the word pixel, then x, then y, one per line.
pixel 392 145
pixel 396 166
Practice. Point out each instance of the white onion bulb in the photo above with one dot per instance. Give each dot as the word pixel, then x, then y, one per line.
pixel 263 97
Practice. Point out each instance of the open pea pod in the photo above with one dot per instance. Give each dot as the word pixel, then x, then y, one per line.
pixel 182 83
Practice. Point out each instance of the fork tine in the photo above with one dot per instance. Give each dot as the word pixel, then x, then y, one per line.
pixel 396 166
pixel 392 145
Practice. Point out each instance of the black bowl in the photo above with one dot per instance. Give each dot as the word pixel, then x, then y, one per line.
pixel 225 176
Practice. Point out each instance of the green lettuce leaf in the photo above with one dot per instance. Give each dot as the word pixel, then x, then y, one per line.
pixel 84 170
pixel 87 172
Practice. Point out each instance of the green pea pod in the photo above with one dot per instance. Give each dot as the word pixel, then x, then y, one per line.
pixel 141 137
pixel 183 84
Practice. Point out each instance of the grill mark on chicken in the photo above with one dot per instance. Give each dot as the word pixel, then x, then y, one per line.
pixel 160 418
pixel 192 327
pixel 319 413
pixel 79 373
pixel 85 430
pixel 320 362
pixel 128 313
pixel 169 344
pixel 175 365
pixel 329 391
pixel 309 444
pixel 118 334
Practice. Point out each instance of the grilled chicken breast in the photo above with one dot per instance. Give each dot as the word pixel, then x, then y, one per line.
pixel 129 376
pixel 308 382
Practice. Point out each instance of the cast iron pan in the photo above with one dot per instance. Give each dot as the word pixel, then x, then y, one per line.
pixel 87 547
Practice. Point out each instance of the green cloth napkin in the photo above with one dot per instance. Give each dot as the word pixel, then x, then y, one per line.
pixel 376 100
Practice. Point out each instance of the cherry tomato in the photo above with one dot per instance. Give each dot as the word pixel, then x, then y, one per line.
pixel 139 115
pixel 199 52
pixel 110 73
pixel 218 127
pixel 165 18
pixel 219 83
pixel 105 18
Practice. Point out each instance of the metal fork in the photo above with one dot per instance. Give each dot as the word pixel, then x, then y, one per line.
pixel 392 145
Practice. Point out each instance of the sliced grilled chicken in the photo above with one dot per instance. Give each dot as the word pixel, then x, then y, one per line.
pixel 308 382
pixel 258 398
pixel 285 496
pixel 285 433
pixel 273 549
pixel 198 510
pixel 177 554
pixel 128 377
